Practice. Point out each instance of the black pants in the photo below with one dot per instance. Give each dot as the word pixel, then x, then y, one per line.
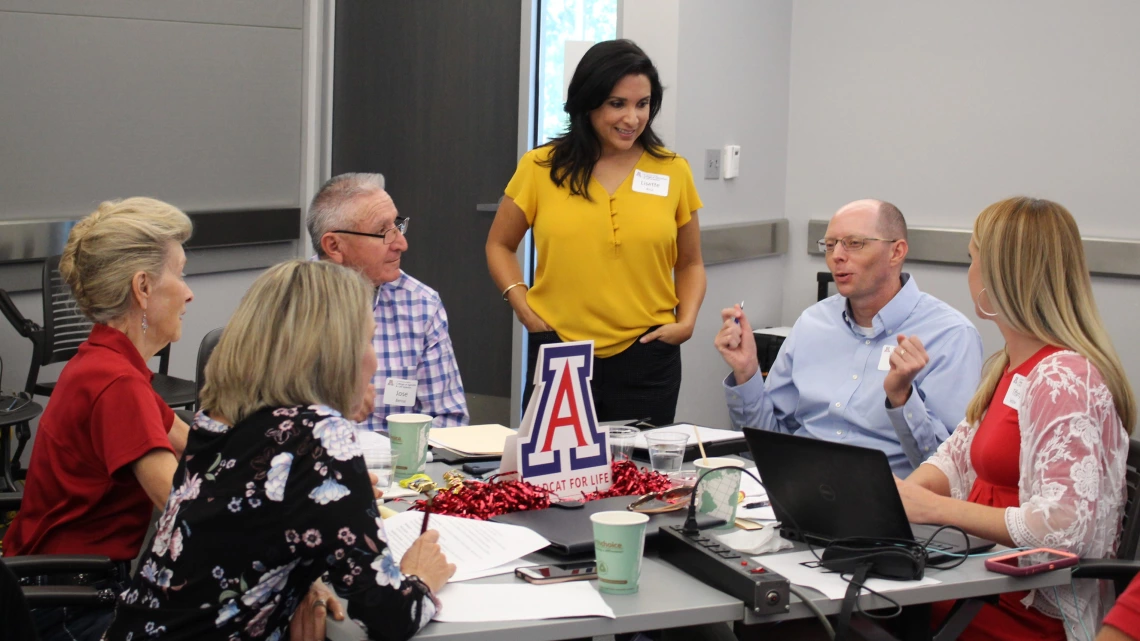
pixel 641 382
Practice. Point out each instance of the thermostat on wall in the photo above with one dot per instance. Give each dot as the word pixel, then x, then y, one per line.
pixel 730 162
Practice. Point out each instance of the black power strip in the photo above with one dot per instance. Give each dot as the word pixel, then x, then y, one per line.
pixel 703 557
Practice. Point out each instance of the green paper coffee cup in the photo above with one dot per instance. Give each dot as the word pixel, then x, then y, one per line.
pixel 619 543
pixel 719 491
pixel 409 436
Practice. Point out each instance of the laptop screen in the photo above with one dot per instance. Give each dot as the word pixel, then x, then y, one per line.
pixel 828 490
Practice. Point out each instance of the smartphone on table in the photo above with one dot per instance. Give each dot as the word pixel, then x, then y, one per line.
pixel 1031 562
pixel 558 572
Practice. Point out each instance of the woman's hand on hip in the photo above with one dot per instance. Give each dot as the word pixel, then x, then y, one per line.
pixel 425 560
pixel 531 321
pixel 671 333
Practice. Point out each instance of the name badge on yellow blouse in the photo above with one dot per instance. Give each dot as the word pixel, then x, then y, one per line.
pixel 652 184
pixel 1016 393
pixel 400 392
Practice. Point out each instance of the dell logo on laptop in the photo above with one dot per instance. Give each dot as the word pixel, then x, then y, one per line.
pixel 826 492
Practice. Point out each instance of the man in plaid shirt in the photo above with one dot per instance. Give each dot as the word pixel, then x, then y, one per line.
pixel 353 222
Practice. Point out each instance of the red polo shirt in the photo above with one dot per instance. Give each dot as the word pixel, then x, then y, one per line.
pixel 1125 615
pixel 81 496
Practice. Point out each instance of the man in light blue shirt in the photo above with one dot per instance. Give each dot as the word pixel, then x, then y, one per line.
pixel 879 365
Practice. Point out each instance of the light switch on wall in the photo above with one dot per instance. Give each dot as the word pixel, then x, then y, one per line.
pixel 712 164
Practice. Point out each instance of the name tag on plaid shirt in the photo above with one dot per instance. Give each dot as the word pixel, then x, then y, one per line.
pixel 400 392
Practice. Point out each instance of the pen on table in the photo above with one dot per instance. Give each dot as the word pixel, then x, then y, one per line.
pixel 427 513
pixel 737 319
pixel 756 504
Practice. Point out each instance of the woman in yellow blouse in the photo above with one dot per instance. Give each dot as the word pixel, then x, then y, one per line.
pixel 614 215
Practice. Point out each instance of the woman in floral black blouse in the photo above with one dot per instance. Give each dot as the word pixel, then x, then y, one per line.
pixel 272 492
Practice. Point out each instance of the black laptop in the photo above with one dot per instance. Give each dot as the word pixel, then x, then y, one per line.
pixel 831 491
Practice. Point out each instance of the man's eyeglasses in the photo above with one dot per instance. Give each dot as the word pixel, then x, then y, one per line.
pixel 851 243
pixel 386 235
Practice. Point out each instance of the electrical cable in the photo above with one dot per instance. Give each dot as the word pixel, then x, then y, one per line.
pixel 809 604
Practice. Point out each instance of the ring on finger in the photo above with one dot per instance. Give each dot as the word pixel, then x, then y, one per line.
pixel 902 352
pixel 320 604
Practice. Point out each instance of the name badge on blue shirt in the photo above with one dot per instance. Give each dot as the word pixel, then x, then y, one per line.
pixel 885 358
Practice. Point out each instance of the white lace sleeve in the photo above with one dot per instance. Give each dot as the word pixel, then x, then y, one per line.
pixel 953 458
pixel 1071 490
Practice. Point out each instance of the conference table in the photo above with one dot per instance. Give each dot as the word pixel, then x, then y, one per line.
pixel 670 598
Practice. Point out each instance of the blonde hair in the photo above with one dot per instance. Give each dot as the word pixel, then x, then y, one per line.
pixel 1033 267
pixel 107 248
pixel 297 338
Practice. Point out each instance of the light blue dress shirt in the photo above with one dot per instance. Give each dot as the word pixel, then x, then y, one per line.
pixel 826 381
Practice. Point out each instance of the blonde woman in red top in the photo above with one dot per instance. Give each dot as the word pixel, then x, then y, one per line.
pixel 1039 460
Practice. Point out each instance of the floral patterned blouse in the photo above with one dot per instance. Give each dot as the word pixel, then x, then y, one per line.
pixel 258 512
pixel 1071 487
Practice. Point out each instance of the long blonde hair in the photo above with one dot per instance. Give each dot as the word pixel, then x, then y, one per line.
pixel 107 248
pixel 1033 267
pixel 297 338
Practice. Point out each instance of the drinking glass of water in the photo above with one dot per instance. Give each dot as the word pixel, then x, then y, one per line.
pixel 621 443
pixel 380 464
pixel 666 451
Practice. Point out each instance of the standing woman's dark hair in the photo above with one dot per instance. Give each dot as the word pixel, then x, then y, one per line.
pixel 575 152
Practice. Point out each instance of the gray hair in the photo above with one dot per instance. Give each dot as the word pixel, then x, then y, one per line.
pixel 328 210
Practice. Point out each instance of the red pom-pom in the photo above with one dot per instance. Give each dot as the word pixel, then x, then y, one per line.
pixel 481 500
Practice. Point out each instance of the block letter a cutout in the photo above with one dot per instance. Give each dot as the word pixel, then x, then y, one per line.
pixel 565 394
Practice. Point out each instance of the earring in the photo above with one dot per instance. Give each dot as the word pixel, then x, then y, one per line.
pixel 144 324
pixel 979 303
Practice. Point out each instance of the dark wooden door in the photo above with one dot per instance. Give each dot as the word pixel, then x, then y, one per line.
pixel 427 94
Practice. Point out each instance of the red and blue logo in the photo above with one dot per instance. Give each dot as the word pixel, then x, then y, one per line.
pixel 564 418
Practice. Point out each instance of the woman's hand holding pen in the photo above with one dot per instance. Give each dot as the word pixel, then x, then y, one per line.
pixel 425 560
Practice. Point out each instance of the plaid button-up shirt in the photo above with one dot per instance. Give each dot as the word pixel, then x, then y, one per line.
pixel 412 342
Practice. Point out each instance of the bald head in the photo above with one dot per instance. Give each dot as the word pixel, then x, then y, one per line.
pixel 888 221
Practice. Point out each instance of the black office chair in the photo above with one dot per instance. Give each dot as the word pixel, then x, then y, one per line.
pixel 64 330
pixel 822 280
pixel 16 601
pixel 209 342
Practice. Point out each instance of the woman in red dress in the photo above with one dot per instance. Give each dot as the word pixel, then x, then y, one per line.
pixel 1039 460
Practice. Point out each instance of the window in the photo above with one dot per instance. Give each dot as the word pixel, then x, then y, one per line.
pixel 562 21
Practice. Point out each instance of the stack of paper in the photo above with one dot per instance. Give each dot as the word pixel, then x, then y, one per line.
pixel 519 602
pixel 475 547
pixel 708 434
pixel 473 440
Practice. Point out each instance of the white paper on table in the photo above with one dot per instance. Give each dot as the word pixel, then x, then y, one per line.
pixel 791 567
pixel 754 492
pixel 708 434
pixel 465 603
pixel 505 568
pixel 471 545
pixel 394 491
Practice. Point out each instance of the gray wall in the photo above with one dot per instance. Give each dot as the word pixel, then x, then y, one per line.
pixel 732 88
pixel 197 103
pixel 944 108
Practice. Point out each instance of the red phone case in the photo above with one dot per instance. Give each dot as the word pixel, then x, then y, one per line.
pixel 995 564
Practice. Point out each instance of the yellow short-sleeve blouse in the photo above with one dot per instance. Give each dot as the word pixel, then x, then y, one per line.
pixel 605 267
